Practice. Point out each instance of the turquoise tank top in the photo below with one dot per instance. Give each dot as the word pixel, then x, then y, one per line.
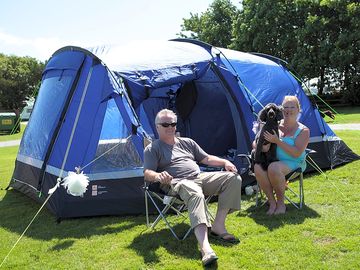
pixel 292 162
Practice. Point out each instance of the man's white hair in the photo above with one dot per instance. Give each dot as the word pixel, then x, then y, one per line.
pixel 164 112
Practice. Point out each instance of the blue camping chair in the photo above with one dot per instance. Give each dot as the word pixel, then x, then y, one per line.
pixel 295 198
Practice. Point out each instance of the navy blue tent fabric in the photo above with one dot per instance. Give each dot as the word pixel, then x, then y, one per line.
pixel 96 109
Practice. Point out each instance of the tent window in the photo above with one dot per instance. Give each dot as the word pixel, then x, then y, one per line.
pixel 49 103
pixel 115 150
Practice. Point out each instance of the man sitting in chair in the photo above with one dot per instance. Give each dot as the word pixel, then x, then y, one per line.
pixel 172 161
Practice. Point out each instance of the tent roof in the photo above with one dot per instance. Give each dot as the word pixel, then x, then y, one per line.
pixel 150 55
pixel 245 58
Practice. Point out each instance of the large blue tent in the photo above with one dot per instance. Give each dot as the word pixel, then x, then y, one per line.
pixel 96 108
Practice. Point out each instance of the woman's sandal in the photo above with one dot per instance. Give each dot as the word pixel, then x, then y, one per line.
pixel 225 237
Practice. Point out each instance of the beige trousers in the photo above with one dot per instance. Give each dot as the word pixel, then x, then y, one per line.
pixel 227 185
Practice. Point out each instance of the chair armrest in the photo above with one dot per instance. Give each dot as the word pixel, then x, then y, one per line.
pixel 207 168
pixel 309 151
pixel 246 158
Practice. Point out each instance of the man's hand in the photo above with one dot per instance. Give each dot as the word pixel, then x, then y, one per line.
pixel 164 178
pixel 230 167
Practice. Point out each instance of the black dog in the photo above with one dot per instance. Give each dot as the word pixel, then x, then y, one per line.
pixel 270 115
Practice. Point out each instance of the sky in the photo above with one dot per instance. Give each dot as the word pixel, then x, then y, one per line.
pixel 37 28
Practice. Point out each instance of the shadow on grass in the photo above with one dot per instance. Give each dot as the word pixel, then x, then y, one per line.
pixel 17 210
pixel 147 244
pixel 62 245
pixel 292 216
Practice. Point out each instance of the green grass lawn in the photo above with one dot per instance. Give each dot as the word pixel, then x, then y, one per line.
pixel 345 115
pixel 324 235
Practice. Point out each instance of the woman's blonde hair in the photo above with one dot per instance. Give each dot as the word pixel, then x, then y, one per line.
pixel 292 98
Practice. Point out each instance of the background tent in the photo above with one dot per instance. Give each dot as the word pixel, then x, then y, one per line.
pixel 90 117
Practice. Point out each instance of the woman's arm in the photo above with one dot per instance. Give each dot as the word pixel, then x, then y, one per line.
pixel 301 142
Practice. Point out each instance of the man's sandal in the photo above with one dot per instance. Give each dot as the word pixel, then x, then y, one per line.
pixel 209 258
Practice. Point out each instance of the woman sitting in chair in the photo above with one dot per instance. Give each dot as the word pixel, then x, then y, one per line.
pixel 291 144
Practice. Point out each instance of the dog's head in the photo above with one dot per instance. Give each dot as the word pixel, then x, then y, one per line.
pixel 270 111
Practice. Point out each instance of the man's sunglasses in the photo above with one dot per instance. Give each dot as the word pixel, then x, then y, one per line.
pixel 165 125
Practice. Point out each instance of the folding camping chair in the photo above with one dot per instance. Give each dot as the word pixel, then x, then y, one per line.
pixel 171 202
pixel 296 199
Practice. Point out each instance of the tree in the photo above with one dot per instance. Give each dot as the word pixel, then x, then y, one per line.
pixel 214 26
pixel 345 56
pixel 317 38
pixel 267 26
pixel 19 78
